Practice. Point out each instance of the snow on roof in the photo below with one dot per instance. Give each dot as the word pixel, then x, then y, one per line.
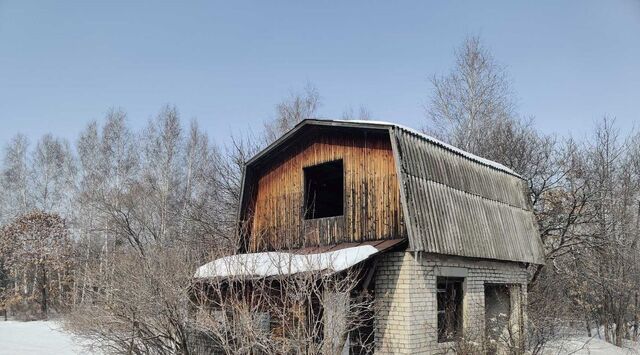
pixel 464 153
pixel 282 263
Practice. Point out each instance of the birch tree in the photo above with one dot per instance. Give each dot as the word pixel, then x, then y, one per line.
pixel 16 196
pixel 161 175
pixel 473 108
pixel 53 174
pixel 474 96
pixel 204 213
pixel 609 267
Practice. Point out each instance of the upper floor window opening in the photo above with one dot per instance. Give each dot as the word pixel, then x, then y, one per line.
pixel 324 190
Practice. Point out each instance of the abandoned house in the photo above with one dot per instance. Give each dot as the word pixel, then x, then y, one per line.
pixel 443 237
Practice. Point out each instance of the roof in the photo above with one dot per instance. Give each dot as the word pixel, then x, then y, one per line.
pixel 379 125
pixel 330 259
pixel 455 205
pixel 454 202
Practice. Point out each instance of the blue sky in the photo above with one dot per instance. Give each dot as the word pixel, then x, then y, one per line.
pixel 63 63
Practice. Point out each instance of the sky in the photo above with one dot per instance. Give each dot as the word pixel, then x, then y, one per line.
pixel 227 64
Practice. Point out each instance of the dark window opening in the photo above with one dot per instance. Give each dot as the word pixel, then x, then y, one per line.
pixel 497 313
pixel 324 190
pixel 449 294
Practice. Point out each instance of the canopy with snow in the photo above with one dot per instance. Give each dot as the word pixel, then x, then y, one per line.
pixel 267 264
pixel 279 263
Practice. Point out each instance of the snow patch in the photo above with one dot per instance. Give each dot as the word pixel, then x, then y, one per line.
pixel 281 263
pixel 39 337
pixel 588 346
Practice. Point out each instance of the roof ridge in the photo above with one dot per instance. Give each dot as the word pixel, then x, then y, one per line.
pixel 464 153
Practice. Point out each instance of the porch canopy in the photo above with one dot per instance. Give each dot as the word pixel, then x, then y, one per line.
pixel 331 259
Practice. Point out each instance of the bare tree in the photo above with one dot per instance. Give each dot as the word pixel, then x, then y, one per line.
pixel 592 273
pixel 363 114
pixel 120 158
pixel 112 195
pixel 53 174
pixel 88 219
pixel 149 208
pixel 473 108
pixel 162 174
pixel 204 212
pixel 36 251
pixel 473 97
pixel 15 179
pixel 140 307
pixel 297 107
pixel 609 269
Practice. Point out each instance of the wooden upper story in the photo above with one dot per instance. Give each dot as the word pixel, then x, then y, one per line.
pixel 327 182
pixel 326 186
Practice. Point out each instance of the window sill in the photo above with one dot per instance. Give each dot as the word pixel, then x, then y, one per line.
pixel 323 218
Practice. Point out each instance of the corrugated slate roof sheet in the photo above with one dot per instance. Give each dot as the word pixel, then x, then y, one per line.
pixel 458 206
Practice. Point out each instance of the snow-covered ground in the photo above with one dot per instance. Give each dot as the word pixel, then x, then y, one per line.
pixel 37 337
pixel 588 346
pixel 30 338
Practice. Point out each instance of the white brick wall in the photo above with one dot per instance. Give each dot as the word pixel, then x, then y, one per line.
pixel 406 318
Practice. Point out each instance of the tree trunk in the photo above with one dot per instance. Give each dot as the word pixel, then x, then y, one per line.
pixel 621 327
pixel 43 305
pixel 635 318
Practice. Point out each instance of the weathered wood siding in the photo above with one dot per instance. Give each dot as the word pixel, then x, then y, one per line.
pixel 372 207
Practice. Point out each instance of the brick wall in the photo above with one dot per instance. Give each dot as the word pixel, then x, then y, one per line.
pixel 406 318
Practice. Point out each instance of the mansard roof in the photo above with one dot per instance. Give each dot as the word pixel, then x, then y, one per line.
pixel 454 202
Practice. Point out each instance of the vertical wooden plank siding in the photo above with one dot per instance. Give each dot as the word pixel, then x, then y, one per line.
pixel 372 207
